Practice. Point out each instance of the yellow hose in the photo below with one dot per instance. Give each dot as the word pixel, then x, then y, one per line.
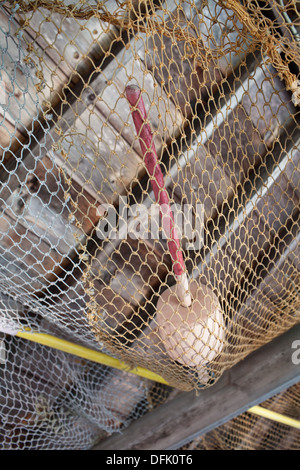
pixel 104 359
pixel 265 413
pixel 86 353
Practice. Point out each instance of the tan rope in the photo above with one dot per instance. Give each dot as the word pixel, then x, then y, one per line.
pixel 270 44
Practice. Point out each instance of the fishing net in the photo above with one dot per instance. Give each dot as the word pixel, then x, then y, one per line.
pixel 52 400
pixel 150 181
pixel 251 432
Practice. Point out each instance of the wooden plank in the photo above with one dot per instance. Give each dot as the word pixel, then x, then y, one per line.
pixel 264 373
pixel 49 184
pixel 25 261
pixel 170 179
pixel 262 244
pixel 213 166
pixel 268 104
pixel 40 228
pixel 234 149
pixel 53 76
pixel 87 219
pixel 15 178
pixel 119 398
pixel 185 69
pixel 245 432
pixel 237 145
pixel 97 158
pixel 164 120
pixel 70 43
pixel 266 294
pixel 10 138
pixel 258 182
pixel 177 74
pixel 46 134
pixel 281 24
pixel 124 60
pixel 256 225
pixel 117 283
pixel 218 32
pixel 134 266
pixel 91 38
pixel 20 75
pixel 273 295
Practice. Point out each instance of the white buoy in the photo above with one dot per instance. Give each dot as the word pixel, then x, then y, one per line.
pixel 193 336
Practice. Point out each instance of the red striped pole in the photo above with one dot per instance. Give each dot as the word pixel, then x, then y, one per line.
pixel 143 129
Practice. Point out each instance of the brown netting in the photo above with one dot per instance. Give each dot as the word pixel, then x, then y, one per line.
pixel 216 88
pixel 251 432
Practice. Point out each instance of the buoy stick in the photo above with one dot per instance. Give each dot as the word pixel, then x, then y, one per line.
pixel 143 130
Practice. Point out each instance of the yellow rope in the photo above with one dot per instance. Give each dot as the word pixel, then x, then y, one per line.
pixel 273 415
pixel 87 353
pixel 101 358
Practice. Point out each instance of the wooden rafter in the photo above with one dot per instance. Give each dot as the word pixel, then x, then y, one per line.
pixel 263 374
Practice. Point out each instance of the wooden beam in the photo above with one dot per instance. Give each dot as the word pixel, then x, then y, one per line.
pixel 261 375
pixel 73 104
pixel 98 68
pixel 258 183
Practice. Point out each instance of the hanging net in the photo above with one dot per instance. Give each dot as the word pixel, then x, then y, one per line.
pixel 149 192
pixel 51 400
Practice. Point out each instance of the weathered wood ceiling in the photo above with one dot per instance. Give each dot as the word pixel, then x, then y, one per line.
pixel 238 112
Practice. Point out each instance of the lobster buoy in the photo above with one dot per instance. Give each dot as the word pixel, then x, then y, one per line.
pixel 194 335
